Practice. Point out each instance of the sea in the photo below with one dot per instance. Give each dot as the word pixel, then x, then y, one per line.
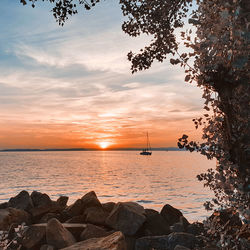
pixel 165 177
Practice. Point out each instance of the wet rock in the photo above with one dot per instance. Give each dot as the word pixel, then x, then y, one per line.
pixel 93 231
pixel 57 235
pixel 33 237
pixel 47 247
pixel 154 225
pixel 10 215
pixel 95 215
pixel 126 217
pixel 171 214
pixel 62 201
pixel 179 247
pixel 108 206
pixel 115 241
pixel 183 239
pixel 40 199
pixel 21 201
pixel 152 242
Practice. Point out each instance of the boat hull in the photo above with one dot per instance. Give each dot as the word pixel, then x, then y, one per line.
pixel 145 153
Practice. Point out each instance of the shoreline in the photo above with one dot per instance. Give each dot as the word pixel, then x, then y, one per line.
pixel 34 221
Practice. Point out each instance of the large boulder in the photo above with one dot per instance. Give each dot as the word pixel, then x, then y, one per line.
pixel 21 201
pixel 93 231
pixel 76 209
pixel 34 236
pixel 57 235
pixel 95 215
pixel 62 201
pixel 154 225
pixel 108 206
pixel 115 241
pixel 10 215
pixel 40 199
pixel 126 217
pixel 152 242
pixel 171 214
pixel 90 200
pixel 183 239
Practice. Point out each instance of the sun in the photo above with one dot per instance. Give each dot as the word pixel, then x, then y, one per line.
pixel 104 144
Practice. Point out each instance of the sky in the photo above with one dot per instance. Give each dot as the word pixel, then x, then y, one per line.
pixel 71 86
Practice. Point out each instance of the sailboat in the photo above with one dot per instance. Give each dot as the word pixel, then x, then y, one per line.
pixel 147 150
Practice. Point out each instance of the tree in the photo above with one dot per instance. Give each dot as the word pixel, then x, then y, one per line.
pixel 219 56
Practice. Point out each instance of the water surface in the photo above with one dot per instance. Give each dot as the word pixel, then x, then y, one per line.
pixel 164 177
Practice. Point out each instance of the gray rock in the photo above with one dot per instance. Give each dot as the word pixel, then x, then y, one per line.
pixel 90 200
pixel 171 214
pixel 75 209
pixel 40 199
pixel 57 235
pixel 183 239
pixel 108 206
pixel 92 231
pixel 152 242
pixel 62 201
pixel 33 237
pixel 177 227
pixel 179 247
pixel 126 217
pixel 10 215
pixel 47 247
pixel 154 225
pixel 21 201
pixel 77 219
pixel 115 241
pixel 95 215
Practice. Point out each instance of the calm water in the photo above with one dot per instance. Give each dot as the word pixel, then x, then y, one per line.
pixel 164 177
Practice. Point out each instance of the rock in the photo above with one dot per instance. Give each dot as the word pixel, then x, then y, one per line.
pixel 40 199
pixel 154 225
pixel 77 219
pixel 75 228
pixel 92 231
pixel 171 214
pixel 127 217
pixel 108 206
pixel 47 247
pixel 90 200
pixel 195 228
pixel 152 242
pixel 184 222
pixel 33 236
pixel 75 209
pixel 38 212
pixel 49 216
pixel 12 215
pixel 57 235
pixel 177 227
pixel 115 241
pixel 62 201
pixel 95 215
pixel 21 201
pixel 183 239
pixel 4 205
pixel 179 247
pixel 130 242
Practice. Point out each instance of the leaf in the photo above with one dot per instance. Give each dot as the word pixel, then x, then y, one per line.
pixel 187 78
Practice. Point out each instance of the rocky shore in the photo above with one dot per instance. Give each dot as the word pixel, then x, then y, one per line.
pixel 34 221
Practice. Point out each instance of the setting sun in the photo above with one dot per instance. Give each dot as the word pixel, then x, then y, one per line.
pixel 104 144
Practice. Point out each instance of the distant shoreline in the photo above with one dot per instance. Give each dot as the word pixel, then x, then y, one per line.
pixel 87 149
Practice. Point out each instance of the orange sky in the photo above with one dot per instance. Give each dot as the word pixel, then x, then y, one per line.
pixel 72 86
